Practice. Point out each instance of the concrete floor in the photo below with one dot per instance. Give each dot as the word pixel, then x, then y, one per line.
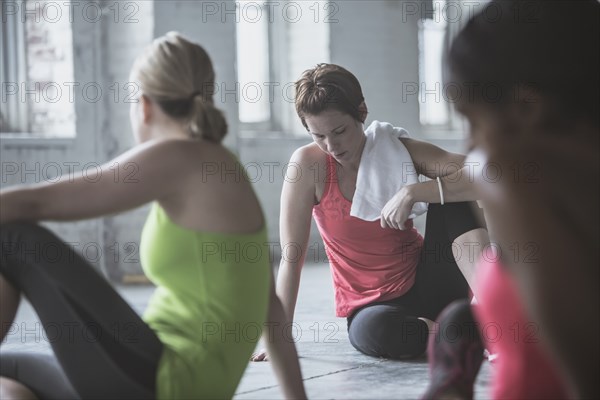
pixel 332 369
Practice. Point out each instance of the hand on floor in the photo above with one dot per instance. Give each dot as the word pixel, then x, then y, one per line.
pixel 260 355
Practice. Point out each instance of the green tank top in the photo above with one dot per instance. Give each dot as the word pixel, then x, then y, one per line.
pixel 209 306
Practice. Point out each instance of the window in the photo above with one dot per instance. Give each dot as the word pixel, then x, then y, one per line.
pixel 436 30
pixel 433 109
pixel 276 42
pixel 252 34
pixel 435 112
pixel 36 56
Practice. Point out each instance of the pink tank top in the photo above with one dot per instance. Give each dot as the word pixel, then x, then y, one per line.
pixel 368 263
pixel 522 369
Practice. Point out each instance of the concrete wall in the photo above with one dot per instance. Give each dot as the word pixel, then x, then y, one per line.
pixel 382 51
pixel 103 51
pixel 212 24
pixel 120 43
pixel 38 160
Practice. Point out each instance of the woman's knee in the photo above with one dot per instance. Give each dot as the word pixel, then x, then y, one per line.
pixel 459 217
pixel 13 390
pixel 23 245
pixel 380 334
pixel 460 208
pixel 15 232
pixel 23 238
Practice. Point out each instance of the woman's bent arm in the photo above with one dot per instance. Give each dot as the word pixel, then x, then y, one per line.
pixel 456 178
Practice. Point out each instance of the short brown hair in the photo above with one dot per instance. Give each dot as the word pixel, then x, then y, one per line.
pixel 328 87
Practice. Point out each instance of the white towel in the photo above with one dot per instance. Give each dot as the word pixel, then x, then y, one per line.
pixel 385 167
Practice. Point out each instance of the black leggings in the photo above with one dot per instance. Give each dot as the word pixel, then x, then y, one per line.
pixel 102 348
pixel 391 328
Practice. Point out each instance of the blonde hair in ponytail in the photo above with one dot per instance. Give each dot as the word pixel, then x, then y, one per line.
pixel 178 75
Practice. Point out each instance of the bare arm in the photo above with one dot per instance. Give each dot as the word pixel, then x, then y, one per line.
pixel 456 180
pixel 148 172
pixel 282 351
pixel 432 161
pixel 297 199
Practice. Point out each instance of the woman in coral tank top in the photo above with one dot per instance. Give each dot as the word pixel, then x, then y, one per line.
pixel 390 283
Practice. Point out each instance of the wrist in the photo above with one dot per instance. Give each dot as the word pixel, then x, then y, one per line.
pixel 409 193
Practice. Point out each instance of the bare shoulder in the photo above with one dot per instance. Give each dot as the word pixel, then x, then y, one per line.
pixel 181 164
pixel 186 155
pixel 308 155
pixel 427 150
pixel 176 148
pixel 407 140
pixel 311 162
pixel 413 144
pixel 164 151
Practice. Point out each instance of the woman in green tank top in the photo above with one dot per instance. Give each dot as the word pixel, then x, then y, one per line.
pixel 203 245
